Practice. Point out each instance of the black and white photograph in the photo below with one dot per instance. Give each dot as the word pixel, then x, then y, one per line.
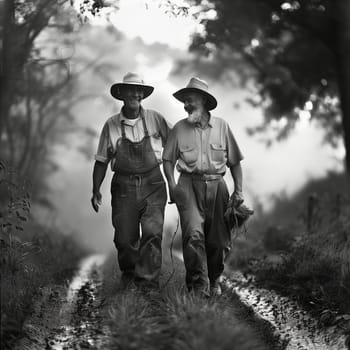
pixel 175 174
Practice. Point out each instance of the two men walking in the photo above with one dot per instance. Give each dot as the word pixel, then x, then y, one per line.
pixel 201 147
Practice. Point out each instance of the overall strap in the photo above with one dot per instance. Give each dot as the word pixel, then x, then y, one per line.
pixel 144 126
pixel 113 132
pixel 122 125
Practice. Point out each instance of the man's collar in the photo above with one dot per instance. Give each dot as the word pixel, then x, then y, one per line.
pixel 209 124
pixel 210 121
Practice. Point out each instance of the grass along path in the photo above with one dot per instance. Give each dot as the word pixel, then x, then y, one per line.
pixel 173 319
pixel 94 312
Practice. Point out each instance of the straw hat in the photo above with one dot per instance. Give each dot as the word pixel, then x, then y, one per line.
pixel 131 79
pixel 197 85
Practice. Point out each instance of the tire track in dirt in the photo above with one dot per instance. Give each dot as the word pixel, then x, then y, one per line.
pixel 69 318
pixel 294 326
pixel 81 322
pixel 298 329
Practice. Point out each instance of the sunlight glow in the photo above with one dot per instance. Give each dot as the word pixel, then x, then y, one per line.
pixel 152 24
pixel 304 120
pixel 211 14
pixel 275 17
pixel 286 6
pixel 280 123
pixel 255 42
pixel 324 82
pixel 153 73
pixel 290 6
pixel 151 21
pixel 304 116
pixel 340 152
pixel 308 106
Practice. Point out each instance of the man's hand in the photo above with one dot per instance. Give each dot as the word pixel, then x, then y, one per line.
pixel 236 199
pixel 96 200
pixel 172 195
pixel 176 194
pixel 97 178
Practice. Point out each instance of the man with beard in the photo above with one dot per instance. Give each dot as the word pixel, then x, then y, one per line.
pixel 131 141
pixel 202 146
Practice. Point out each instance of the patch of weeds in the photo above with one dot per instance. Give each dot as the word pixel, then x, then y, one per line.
pixel 32 256
pixel 137 322
pixel 171 318
pixel 316 270
pixel 244 252
pixel 301 248
pixel 209 324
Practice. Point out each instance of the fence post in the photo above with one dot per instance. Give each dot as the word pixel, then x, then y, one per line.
pixel 312 206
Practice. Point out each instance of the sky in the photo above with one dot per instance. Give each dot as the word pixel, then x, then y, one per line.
pixel 149 41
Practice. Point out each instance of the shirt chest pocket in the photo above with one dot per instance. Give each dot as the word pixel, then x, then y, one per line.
pixel 218 152
pixel 189 154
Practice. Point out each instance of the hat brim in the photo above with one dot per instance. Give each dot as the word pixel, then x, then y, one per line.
pixel 211 100
pixel 116 89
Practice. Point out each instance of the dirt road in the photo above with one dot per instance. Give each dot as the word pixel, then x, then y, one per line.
pixel 70 318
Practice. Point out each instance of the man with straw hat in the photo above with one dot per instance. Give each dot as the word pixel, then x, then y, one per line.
pixel 202 147
pixel 132 141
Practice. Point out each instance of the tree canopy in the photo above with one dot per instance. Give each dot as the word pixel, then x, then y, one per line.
pixel 37 85
pixel 295 53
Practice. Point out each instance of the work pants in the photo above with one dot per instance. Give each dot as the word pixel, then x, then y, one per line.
pixel 139 200
pixel 205 236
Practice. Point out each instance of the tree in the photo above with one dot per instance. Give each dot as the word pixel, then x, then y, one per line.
pixel 296 53
pixel 34 78
pixel 37 87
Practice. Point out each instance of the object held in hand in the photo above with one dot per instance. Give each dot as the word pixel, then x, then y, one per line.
pixel 236 215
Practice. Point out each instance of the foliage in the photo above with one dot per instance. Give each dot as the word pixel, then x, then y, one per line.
pixel 14 203
pixel 38 86
pixel 290 53
pixel 31 256
pixel 95 8
pixel 35 85
pixel 302 247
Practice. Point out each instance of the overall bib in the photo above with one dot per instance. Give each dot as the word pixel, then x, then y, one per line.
pixel 138 199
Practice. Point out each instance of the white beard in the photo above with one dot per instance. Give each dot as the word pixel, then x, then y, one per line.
pixel 194 117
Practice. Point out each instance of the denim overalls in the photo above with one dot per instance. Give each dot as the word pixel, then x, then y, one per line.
pixel 138 198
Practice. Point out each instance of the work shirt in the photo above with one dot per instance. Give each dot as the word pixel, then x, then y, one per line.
pixel 158 129
pixel 198 150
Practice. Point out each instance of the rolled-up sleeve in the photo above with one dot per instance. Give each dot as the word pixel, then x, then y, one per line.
pixel 103 149
pixel 234 154
pixel 171 149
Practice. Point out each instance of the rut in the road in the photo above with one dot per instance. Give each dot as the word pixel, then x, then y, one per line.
pixel 294 325
pixel 168 318
pixel 80 321
pixel 69 319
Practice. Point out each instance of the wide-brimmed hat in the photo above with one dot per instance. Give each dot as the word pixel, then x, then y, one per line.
pixel 197 85
pixel 131 79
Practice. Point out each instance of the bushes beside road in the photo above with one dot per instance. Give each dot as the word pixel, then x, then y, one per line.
pixel 302 247
pixel 32 257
